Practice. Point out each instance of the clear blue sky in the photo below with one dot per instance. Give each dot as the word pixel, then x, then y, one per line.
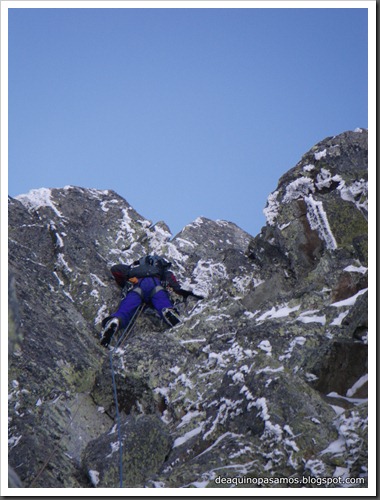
pixel 183 112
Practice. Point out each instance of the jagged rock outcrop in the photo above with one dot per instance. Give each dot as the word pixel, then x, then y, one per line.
pixel 145 440
pixel 264 378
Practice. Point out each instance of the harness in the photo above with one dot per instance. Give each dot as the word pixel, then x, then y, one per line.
pixel 139 291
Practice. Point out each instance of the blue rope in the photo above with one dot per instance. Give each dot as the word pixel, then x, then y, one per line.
pixel 127 330
pixel 130 325
pixel 118 424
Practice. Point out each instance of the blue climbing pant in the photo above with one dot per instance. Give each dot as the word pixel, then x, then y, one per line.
pixel 128 306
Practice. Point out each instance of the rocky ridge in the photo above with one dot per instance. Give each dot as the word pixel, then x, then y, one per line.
pixel 264 380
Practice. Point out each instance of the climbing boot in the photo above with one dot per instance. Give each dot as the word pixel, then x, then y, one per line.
pixel 171 316
pixel 109 330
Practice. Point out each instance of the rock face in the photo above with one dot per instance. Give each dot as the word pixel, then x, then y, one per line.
pixel 265 378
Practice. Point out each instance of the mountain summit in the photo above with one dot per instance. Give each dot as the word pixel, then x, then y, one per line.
pixel 264 382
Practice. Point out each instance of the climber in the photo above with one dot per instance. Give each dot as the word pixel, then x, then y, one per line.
pixel 146 280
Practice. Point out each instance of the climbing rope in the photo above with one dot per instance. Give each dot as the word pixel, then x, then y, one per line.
pixel 123 337
pixel 121 340
pixel 118 424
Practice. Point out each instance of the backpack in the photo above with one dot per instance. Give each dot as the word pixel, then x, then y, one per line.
pixel 150 265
